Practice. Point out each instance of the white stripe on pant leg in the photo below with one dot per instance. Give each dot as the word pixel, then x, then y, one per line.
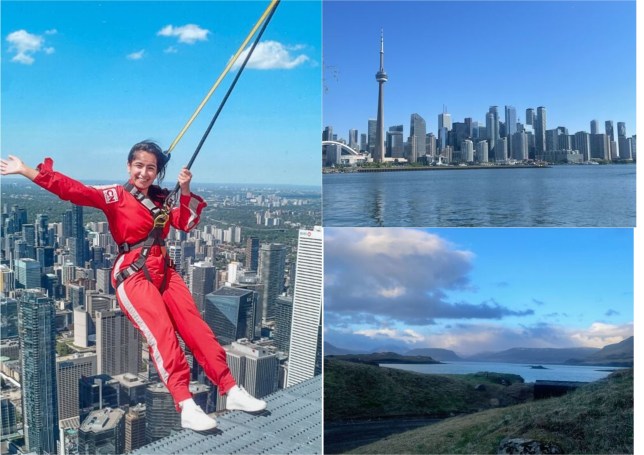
pixel 152 341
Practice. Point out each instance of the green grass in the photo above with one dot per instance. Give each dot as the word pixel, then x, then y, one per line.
pixel 596 418
pixel 354 391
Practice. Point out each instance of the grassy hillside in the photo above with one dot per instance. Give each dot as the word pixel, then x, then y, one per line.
pixel 596 418
pixel 376 358
pixel 354 391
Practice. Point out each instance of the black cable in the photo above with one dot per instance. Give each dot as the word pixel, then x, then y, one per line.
pixel 170 197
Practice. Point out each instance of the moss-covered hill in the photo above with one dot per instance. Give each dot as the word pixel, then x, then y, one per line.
pixel 596 418
pixel 355 391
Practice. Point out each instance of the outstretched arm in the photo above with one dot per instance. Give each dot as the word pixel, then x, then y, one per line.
pixel 14 165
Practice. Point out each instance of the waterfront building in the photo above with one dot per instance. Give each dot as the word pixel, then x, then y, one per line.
pixel 353 139
pixel 540 133
pixel 467 151
pixel 381 77
pixel 610 130
pixel 582 143
pixel 520 146
pixel 430 145
pixel 490 132
pixel 306 330
pixel 482 151
pixel 372 125
pixel 417 131
pixel 510 126
pixel 501 150
pixel 395 142
pixel 530 116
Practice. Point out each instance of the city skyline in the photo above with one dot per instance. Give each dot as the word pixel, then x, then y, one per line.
pixel 90 106
pixel 473 290
pixel 350 54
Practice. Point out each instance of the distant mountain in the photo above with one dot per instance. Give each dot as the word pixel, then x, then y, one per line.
pixel 443 355
pixel 330 349
pixel 398 348
pixel 535 355
pixel 620 354
pixel 382 357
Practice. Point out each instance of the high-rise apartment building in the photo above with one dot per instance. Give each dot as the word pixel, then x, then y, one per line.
pixel 582 144
pixel 38 366
pixel 252 254
pixel 530 116
pixel 306 330
pixel 272 262
pixel 283 322
pixel 540 133
pixel 417 133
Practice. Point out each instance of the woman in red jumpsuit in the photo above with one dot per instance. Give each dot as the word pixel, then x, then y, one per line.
pixel 155 298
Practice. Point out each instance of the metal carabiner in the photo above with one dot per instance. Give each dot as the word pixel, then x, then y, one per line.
pixel 161 219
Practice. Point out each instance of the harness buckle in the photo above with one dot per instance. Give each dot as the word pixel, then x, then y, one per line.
pixel 161 219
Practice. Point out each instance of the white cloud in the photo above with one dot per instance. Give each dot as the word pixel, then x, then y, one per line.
pixel 272 55
pixel 25 45
pixel 189 33
pixel 600 334
pixel 171 50
pixel 407 336
pixel 136 55
pixel 52 31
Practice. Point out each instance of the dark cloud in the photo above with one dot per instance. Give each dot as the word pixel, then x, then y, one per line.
pixel 611 312
pixel 502 284
pixel 398 274
pixel 538 302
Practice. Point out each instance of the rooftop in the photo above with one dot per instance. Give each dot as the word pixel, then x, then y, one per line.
pixel 292 424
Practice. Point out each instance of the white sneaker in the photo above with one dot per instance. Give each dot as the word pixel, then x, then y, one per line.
pixel 238 399
pixel 193 417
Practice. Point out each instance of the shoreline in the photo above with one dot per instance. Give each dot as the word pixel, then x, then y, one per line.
pixel 430 168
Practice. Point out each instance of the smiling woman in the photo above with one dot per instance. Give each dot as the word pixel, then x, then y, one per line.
pixel 149 291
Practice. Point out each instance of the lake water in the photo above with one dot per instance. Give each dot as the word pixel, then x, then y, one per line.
pixel 552 373
pixel 590 196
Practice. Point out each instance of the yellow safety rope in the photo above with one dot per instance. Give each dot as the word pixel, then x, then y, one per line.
pixel 272 5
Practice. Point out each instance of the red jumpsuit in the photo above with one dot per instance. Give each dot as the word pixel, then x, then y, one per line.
pixel 156 312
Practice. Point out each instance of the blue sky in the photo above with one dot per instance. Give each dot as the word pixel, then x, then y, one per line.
pixel 475 290
pixel 576 58
pixel 83 81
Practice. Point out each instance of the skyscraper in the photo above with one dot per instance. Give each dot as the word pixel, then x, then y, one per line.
pixel 254 367
pixel 306 330
pixel 529 116
pixel 540 133
pixel 28 273
pixel 161 416
pixel 510 125
pixel 283 322
pixel 203 277
pixel 118 344
pixel 610 131
pixel 69 370
pixel 231 314
pixel 594 127
pixel 135 428
pixel 417 132
pixel 252 253
pixel 381 77
pixel 38 364
pixel 272 262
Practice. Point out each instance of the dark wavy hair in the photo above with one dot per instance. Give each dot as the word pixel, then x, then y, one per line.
pixel 162 160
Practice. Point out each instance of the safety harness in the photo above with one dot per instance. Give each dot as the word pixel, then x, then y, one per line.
pixel 160 216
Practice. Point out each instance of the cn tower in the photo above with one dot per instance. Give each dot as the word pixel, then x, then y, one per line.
pixel 381 77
